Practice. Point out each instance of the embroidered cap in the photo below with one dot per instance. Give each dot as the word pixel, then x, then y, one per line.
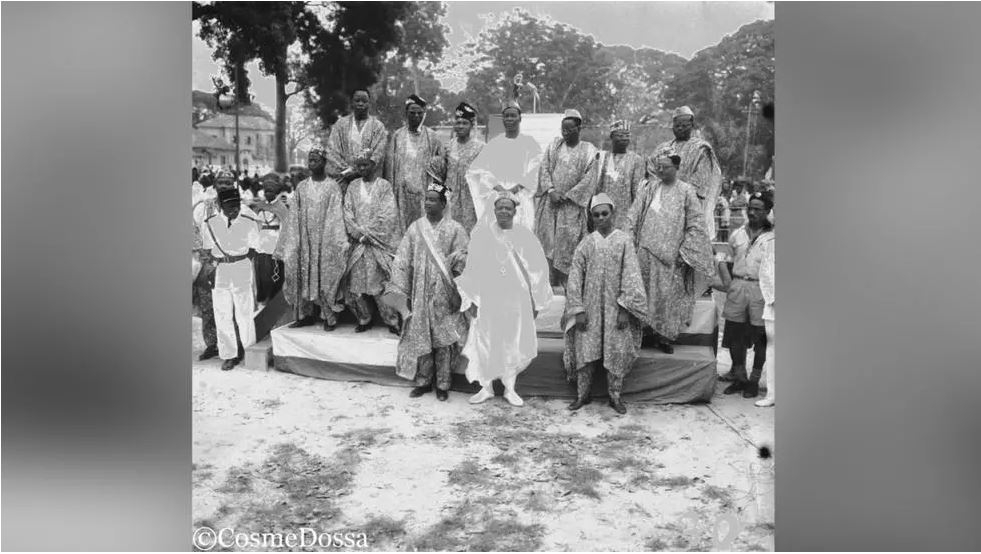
pixel 572 114
pixel 619 125
pixel 415 99
pixel 466 111
pixel 600 199
pixel 683 111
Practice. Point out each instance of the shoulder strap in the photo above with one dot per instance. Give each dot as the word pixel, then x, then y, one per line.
pixel 214 240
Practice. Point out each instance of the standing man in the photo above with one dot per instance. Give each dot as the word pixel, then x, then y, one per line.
pixel 504 286
pixel 699 167
pixel 271 209
pixel 745 303
pixel 410 152
pixel 205 205
pixel 372 223
pixel 508 164
pixel 621 172
pixel 452 168
pixel 566 182
pixel 432 254
pixel 673 248
pixel 351 135
pixel 605 307
pixel 232 237
pixel 313 247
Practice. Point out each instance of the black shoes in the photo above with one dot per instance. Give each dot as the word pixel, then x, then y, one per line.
pixel 666 348
pixel 419 391
pixel 441 395
pixel 227 365
pixel 394 330
pixel 618 406
pixel 306 321
pixel 362 327
pixel 733 388
pixel 328 326
pixel 579 403
pixel 209 352
pixel 752 390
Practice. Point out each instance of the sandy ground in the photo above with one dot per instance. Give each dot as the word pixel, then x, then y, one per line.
pixel 275 452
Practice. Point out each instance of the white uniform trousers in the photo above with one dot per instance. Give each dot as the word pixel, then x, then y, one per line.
pixel 234 304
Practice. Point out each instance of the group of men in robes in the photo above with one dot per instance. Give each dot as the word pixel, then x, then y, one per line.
pixel 456 246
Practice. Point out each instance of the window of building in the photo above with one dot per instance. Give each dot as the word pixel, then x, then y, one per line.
pixel 248 141
pixel 223 160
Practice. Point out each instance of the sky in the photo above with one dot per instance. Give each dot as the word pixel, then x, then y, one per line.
pixel 680 27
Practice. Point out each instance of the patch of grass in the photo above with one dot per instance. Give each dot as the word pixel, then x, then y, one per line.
pixel 468 474
pixel 271 403
pixel 641 480
pixel 238 481
pixel 581 480
pixel 627 462
pixel 534 501
pixel 509 535
pixel 384 529
pixel 714 493
pixel 223 510
pixel 506 459
pixel 472 526
pixel 656 544
pixel 674 482
pixel 366 437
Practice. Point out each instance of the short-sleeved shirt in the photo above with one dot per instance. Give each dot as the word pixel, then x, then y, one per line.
pixel 748 257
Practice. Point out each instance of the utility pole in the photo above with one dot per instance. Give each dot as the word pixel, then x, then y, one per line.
pixel 750 112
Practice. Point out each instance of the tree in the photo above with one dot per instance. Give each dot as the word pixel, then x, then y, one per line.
pixel 718 84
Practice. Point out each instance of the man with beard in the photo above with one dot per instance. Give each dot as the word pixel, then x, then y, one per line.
pixel 699 166
pixel 313 245
pixel 621 172
pixel 668 228
pixel 353 134
pixel 410 153
pixel 508 164
pixel 567 181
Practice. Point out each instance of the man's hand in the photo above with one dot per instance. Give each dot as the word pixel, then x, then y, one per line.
pixel 515 189
pixel 581 321
pixel 555 196
pixel 623 319
pixel 357 236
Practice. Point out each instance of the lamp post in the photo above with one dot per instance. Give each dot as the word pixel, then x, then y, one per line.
pixel 750 112
pixel 227 99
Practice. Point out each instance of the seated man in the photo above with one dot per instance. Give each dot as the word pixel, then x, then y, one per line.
pixel 371 219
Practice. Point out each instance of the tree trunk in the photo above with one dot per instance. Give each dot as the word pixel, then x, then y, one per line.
pixel 282 161
pixel 415 77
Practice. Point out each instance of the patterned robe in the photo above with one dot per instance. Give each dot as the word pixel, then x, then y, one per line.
pixel 409 157
pixel 574 172
pixel 620 177
pixel 701 169
pixel 312 240
pixel 433 301
pixel 506 162
pixel 605 277
pixel 668 228
pixel 453 167
pixel 369 209
pixel 346 143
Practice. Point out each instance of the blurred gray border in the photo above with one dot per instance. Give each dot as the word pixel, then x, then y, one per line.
pixel 878 416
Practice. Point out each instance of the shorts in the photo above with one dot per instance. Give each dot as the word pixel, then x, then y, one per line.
pixel 744 303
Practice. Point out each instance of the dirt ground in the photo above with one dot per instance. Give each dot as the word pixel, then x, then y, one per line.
pixel 275 452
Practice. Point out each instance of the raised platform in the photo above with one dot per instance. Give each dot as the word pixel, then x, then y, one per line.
pixel 688 375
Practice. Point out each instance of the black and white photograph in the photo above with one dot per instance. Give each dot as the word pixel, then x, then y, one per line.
pixel 483 276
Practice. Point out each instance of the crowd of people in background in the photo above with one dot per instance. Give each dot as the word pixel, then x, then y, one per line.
pixel 456 246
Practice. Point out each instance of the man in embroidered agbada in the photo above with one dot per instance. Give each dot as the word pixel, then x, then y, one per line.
pixel 313 245
pixel 621 171
pixel 699 166
pixel 372 223
pixel 352 135
pixel 232 236
pixel 567 181
pixel 411 152
pixel 605 307
pixel 509 163
pixel 504 286
pixel 432 253
pixel 667 225
pixel 458 154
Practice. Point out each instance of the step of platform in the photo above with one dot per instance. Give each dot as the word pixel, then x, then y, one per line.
pixel 259 356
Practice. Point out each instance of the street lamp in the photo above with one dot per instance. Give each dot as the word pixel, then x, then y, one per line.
pixel 753 109
pixel 228 99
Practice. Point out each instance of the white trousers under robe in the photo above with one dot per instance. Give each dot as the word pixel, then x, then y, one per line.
pixel 234 304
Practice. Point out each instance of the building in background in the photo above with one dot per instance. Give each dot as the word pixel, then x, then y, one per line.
pixel 258 146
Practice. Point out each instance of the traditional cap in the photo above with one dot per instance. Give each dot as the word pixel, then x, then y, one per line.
pixel 572 114
pixel 319 152
pixel 619 125
pixel 765 197
pixel 683 111
pixel 507 196
pixel 229 195
pixel 466 111
pixel 600 199
pixel 414 99
pixel 271 177
pixel 225 176
pixel 363 156
pixel 436 186
pixel 511 104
